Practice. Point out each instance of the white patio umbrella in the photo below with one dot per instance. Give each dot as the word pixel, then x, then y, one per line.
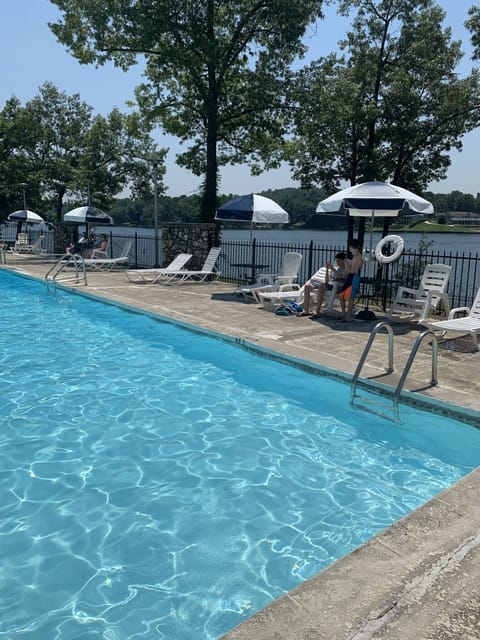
pixel 88 215
pixel 377 199
pixel 25 215
pixel 252 208
pixel 374 200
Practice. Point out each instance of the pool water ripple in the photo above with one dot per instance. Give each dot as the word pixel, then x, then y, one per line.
pixel 156 483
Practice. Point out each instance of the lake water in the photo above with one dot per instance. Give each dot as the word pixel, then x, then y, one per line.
pixel 449 242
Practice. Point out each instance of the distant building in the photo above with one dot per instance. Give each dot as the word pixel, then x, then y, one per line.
pixel 467 218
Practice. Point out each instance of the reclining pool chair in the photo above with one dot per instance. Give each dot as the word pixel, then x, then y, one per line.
pixel 268 281
pixel 208 271
pixel 468 324
pixel 431 292
pixel 151 276
pixel 22 245
pixel 294 293
pixel 107 264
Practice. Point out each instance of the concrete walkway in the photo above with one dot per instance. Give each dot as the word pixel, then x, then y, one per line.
pixel 419 579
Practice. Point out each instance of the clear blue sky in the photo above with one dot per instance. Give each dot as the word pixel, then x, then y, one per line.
pixel 31 56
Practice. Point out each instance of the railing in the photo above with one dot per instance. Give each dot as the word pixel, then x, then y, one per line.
pixel 379 406
pixel 379 289
pixel 383 280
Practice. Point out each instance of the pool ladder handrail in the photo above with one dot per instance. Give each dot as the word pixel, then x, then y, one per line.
pixel 390 369
pixel 77 276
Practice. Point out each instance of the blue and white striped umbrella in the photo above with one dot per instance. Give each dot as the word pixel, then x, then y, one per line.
pixel 252 208
pixel 374 200
pixel 25 215
pixel 88 215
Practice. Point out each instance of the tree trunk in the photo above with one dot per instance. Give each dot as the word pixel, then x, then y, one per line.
pixel 59 203
pixel 209 195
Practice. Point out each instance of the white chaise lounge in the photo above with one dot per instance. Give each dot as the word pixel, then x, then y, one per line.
pixel 151 276
pixel 467 324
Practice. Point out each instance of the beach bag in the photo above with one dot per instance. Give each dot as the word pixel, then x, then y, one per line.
pixel 283 310
pixel 294 307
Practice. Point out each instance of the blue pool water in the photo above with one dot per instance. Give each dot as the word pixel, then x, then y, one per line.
pixel 159 483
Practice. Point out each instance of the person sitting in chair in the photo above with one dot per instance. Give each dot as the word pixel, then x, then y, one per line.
pixel 338 273
pixel 100 248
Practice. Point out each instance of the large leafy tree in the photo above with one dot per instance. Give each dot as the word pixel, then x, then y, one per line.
pixel 215 69
pixel 15 167
pixel 391 107
pixel 62 151
pixel 473 24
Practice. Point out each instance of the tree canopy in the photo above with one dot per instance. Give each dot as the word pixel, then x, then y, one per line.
pixel 390 107
pixel 216 70
pixel 60 149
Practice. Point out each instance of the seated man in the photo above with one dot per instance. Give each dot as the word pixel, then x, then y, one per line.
pixel 338 273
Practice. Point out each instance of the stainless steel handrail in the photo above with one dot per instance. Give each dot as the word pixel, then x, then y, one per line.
pixel 375 330
pixel 411 357
pixel 406 370
pixel 78 276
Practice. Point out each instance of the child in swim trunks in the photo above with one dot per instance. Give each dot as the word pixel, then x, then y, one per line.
pixel 350 287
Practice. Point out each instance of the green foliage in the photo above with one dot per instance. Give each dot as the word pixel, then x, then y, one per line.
pixel 473 24
pixel 62 152
pixel 300 204
pixel 391 107
pixel 216 71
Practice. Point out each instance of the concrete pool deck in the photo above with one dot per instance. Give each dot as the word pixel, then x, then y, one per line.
pixel 420 578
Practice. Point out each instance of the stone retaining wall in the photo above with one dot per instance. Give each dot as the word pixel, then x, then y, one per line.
pixel 194 238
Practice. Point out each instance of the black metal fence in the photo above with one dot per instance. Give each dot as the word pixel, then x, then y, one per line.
pixel 241 261
pixel 379 282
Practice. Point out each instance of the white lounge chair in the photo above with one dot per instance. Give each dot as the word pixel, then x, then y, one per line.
pixel 22 245
pixel 208 270
pixel 39 252
pixel 468 324
pixel 98 253
pixel 294 293
pixel 268 281
pixel 150 276
pixel 431 292
pixel 107 264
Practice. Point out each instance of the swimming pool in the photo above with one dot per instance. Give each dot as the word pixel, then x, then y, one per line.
pixel 158 483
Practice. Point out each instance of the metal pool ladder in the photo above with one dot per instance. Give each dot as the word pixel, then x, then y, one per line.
pixel 383 406
pixel 57 273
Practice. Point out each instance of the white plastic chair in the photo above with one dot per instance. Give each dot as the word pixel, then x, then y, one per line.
pixel 107 264
pixel 469 323
pixel 427 298
pixel 294 293
pixel 268 281
pixel 22 245
pixel 208 271
pixel 151 276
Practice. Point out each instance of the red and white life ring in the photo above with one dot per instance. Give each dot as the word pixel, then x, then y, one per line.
pixel 399 244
